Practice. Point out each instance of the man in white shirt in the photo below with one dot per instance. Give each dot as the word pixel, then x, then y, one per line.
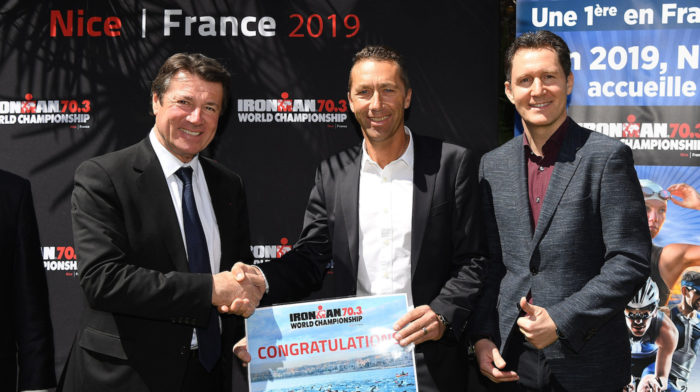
pixel 397 214
pixel 157 228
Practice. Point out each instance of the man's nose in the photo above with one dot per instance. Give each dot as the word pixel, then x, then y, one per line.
pixel 195 116
pixel 537 87
pixel 375 102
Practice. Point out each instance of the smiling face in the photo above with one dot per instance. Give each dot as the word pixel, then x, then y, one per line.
pixel 656 215
pixel 378 99
pixel 538 88
pixel 187 114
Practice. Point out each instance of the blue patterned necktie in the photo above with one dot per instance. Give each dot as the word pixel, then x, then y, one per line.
pixel 208 338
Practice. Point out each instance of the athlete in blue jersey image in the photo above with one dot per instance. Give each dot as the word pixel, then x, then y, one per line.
pixel 685 318
pixel 652 340
pixel 668 262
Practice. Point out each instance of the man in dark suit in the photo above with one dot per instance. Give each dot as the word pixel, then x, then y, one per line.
pixel 157 228
pixel 397 214
pixel 27 347
pixel 568 241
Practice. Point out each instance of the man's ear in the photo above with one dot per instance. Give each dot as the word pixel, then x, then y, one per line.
pixel 352 107
pixel 407 100
pixel 155 103
pixel 508 91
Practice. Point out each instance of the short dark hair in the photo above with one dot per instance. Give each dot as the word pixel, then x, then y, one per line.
pixel 541 39
pixel 381 53
pixel 197 64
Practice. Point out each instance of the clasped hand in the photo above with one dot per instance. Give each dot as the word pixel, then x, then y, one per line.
pixel 238 291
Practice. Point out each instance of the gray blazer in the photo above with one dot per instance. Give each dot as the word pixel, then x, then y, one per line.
pixel 584 261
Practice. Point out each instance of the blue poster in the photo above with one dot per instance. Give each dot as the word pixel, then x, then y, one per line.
pixel 338 345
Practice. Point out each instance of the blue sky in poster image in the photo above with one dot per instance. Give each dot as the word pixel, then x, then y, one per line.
pixel 271 327
pixel 682 225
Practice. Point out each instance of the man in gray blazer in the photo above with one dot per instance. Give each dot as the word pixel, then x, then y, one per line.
pixel 567 238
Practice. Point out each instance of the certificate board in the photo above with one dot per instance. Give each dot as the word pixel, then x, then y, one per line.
pixel 338 345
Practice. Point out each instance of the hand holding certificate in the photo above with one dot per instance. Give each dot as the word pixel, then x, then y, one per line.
pixel 418 325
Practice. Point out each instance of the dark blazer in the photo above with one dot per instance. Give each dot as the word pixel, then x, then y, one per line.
pixel 142 302
pixel 584 261
pixel 446 243
pixel 28 343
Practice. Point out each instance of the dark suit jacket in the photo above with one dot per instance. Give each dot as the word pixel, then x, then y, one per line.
pixel 142 301
pixel 446 243
pixel 584 261
pixel 28 343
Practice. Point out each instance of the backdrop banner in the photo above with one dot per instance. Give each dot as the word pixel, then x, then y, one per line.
pixel 75 79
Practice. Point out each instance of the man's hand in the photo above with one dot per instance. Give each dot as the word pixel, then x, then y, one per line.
pixel 251 278
pixel 240 350
pixel 417 326
pixel 689 197
pixel 238 291
pixel 491 363
pixel 650 383
pixel 537 327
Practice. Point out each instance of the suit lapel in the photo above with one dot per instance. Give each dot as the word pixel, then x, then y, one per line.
pixel 221 203
pixel 519 183
pixel 425 166
pixel 564 169
pixel 349 190
pixel 156 199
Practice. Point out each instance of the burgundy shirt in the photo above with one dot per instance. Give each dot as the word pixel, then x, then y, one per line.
pixel 540 168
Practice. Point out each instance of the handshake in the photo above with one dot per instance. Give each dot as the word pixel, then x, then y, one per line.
pixel 238 291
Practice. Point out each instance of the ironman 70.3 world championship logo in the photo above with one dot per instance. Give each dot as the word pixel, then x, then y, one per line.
pixel 288 110
pixel 45 111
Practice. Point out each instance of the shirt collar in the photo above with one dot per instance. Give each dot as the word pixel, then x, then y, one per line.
pixel 407 157
pixel 551 147
pixel 169 162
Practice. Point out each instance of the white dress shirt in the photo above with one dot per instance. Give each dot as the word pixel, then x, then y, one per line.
pixel 202 198
pixel 385 210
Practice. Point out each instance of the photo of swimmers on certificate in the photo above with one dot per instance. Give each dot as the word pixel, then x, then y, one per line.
pixel 330 345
